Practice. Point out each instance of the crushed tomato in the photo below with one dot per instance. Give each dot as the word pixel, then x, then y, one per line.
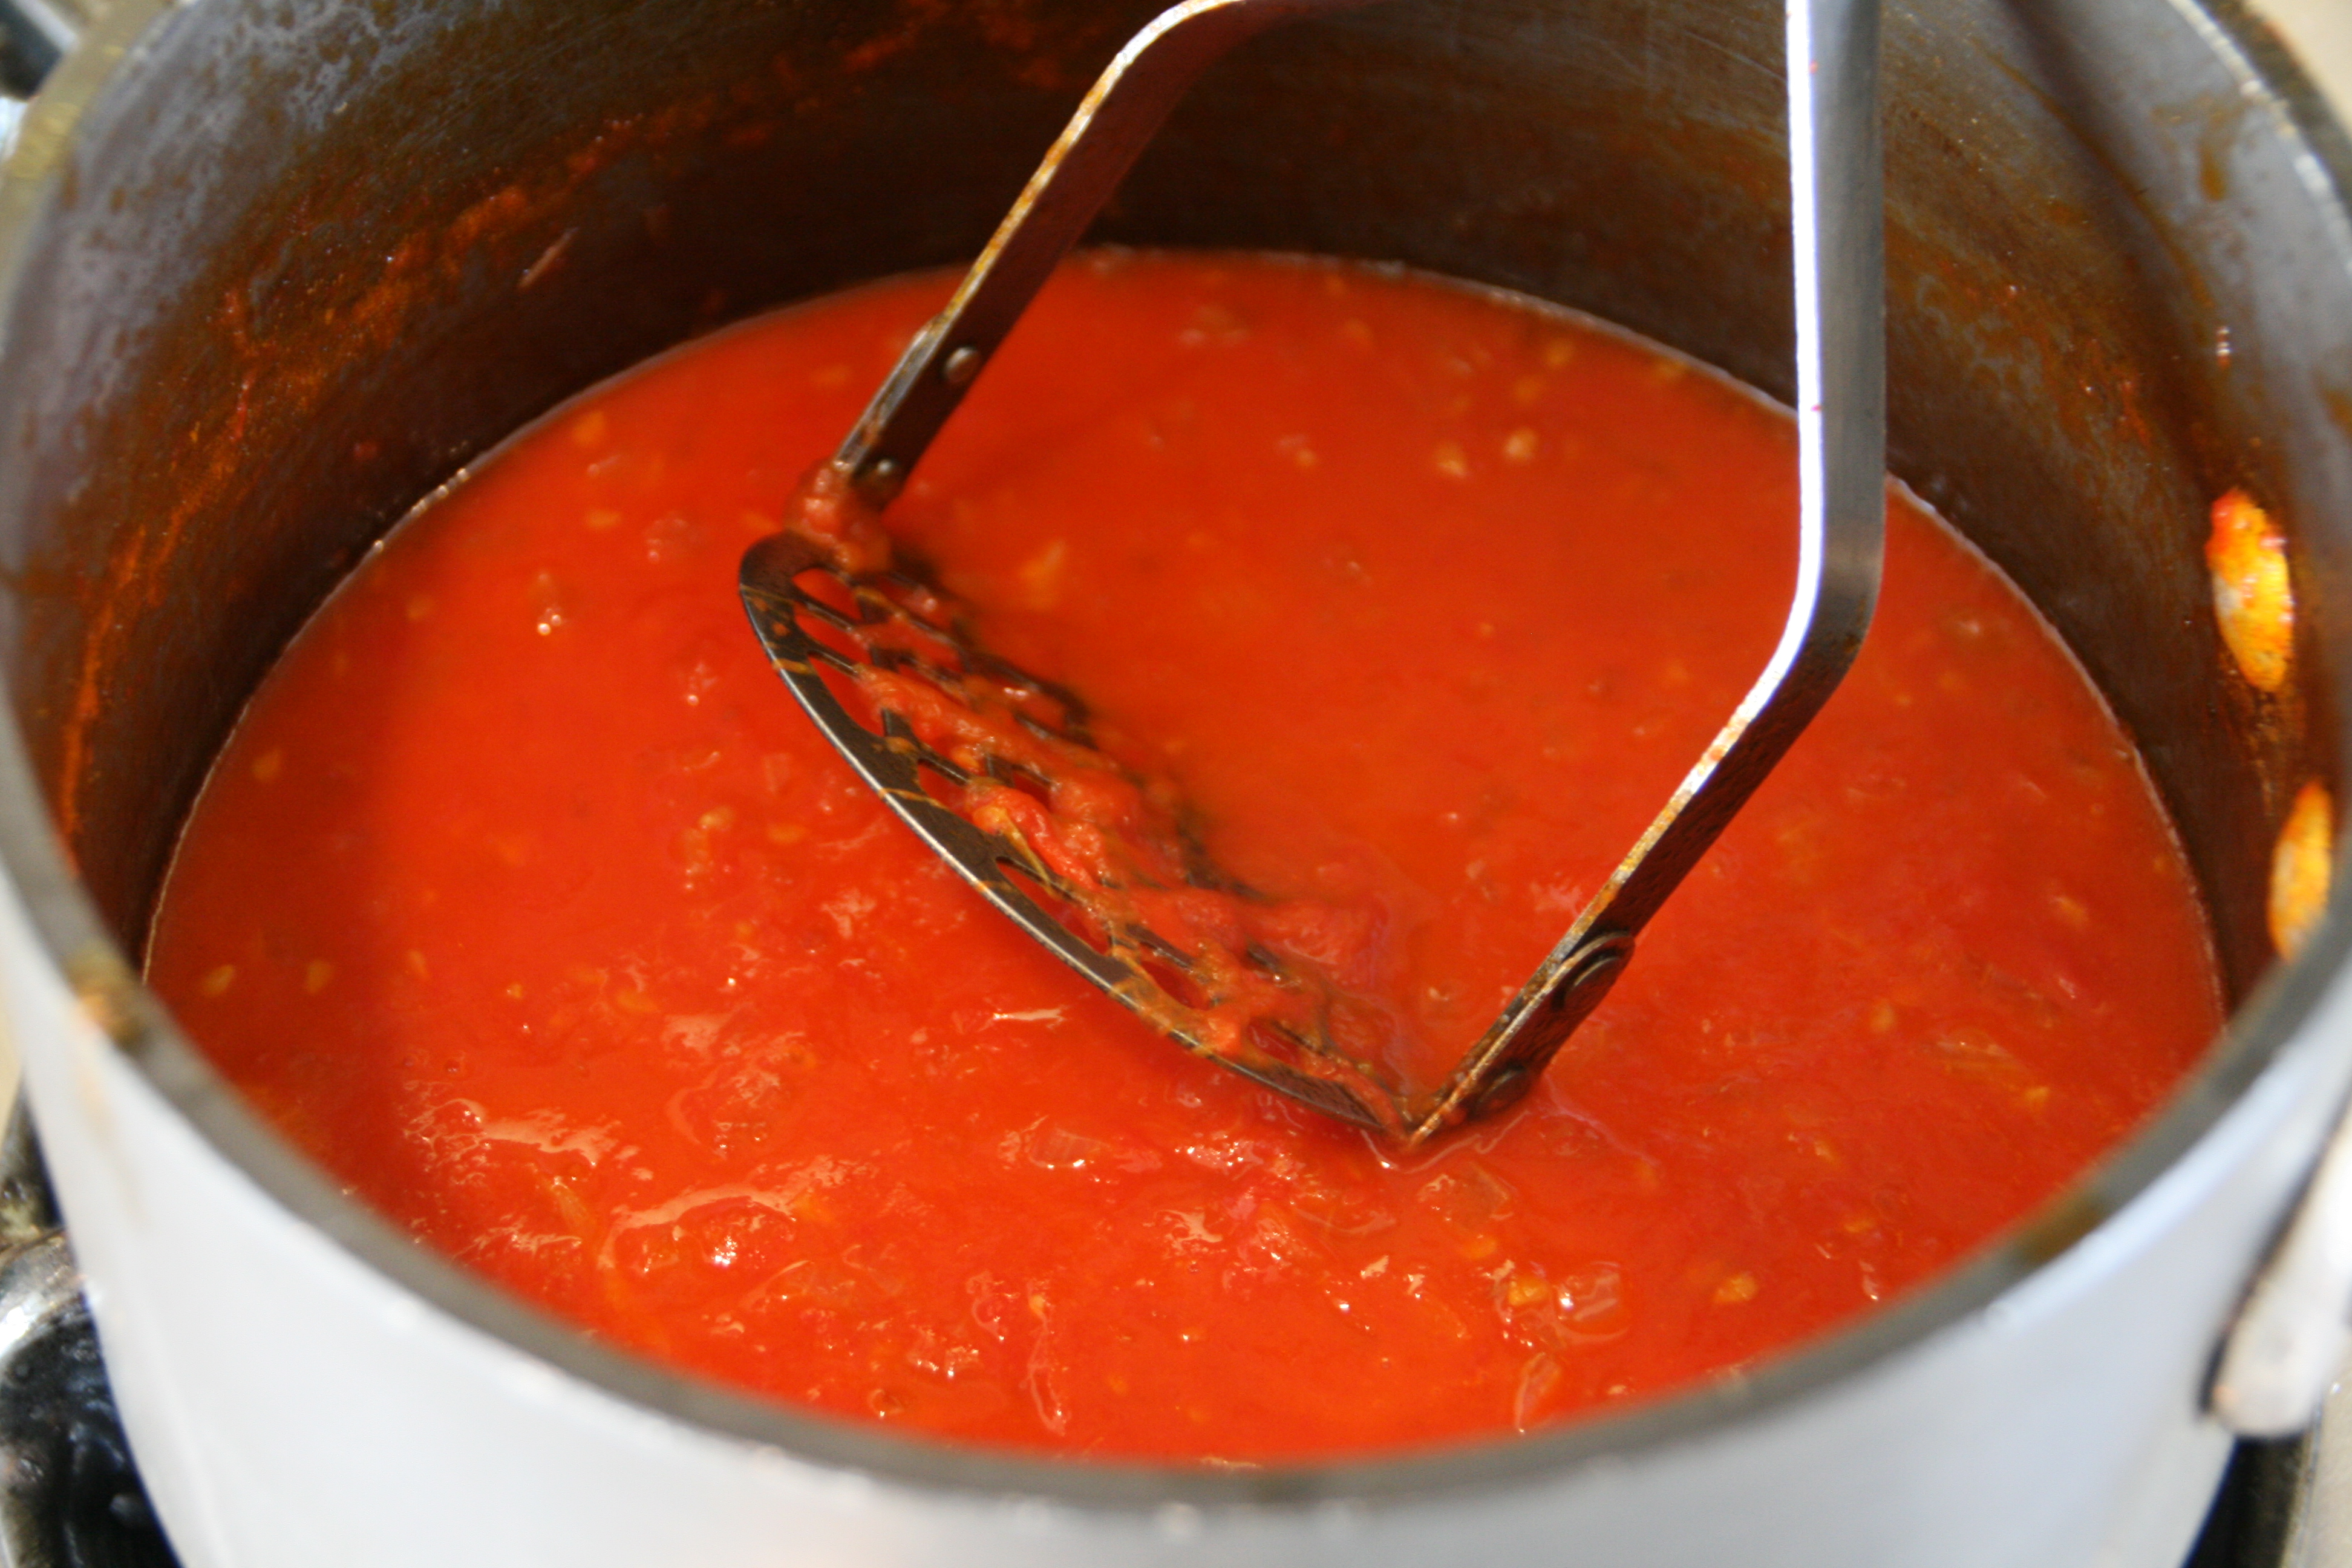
pixel 527 902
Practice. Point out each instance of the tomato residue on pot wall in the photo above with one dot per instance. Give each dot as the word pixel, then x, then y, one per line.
pixel 527 900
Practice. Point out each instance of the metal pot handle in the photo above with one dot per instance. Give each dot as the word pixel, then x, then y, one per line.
pixel 2285 1349
pixel 34 36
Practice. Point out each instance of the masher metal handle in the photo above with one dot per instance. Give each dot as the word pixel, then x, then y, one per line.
pixel 1837 205
pixel 1116 118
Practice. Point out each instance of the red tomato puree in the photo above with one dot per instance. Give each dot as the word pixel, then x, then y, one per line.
pixel 525 899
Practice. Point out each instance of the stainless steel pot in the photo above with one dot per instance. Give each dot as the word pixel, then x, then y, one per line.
pixel 271 272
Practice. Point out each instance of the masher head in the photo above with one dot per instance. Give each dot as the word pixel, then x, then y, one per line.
pixel 999 772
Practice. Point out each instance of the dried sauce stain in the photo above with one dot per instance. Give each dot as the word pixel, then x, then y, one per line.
pixel 2034 358
pixel 1055 52
pixel 282 373
pixel 2338 404
pixel 710 1057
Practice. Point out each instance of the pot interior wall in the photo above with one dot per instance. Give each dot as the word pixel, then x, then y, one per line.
pixel 304 267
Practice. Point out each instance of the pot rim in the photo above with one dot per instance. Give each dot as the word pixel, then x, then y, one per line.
pixel 77 945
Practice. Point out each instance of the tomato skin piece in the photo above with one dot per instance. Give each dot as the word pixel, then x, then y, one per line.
pixel 2302 867
pixel 526 900
pixel 2253 593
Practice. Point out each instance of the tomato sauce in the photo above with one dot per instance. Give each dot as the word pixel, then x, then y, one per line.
pixel 525 899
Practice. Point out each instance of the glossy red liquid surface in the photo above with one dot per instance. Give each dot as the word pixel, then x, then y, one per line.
pixel 526 900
